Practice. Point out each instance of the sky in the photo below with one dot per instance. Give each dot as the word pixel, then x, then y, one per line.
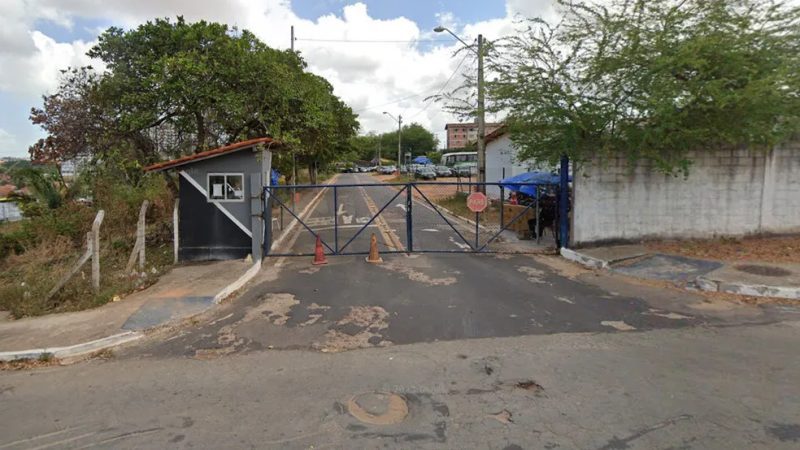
pixel 40 37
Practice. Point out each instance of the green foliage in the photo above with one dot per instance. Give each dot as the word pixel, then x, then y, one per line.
pixel 172 88
pixel 651 79
pixel 435 157
pixel 44 188
pixel 416 139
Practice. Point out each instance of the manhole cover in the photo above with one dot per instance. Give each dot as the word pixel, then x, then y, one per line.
pixel 378 408
pixel 766 271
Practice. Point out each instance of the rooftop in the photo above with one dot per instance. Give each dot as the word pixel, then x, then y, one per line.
pixel 269 142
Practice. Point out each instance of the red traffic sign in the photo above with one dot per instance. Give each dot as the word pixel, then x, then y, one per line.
pixel 477 202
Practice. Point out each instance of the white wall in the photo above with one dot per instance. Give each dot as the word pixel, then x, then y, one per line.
pixel 500 154
pixel 728 192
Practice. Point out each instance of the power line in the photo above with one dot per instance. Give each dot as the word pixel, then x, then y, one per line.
pixel 455 72
pixel 389 103
pixel 442 88
pixel 371 41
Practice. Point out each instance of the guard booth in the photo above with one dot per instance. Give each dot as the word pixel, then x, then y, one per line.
pixel 220 207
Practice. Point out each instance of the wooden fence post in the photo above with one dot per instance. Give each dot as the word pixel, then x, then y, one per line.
pixel 96 250
pixel 175 234
pixel 139 246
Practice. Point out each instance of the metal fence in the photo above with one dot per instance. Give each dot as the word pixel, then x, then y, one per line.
pixel 424 216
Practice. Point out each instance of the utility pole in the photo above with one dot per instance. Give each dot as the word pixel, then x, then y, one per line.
pixel 294 155
pixel 481 120
pixel 399 120
pixel 481 112
pixel 399 139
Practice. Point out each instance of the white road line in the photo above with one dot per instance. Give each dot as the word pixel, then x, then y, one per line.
pixel 303 214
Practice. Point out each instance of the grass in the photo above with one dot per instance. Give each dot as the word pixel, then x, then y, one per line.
pixel 42 248
pixel 457 204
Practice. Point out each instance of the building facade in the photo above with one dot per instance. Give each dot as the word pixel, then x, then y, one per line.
pixel 460 135
pixel 220 203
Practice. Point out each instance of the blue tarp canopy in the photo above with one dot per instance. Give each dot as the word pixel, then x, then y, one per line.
pixel 421 160
pixel 526 182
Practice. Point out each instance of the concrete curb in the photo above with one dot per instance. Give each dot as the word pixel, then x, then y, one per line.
pixel 702 283
pixel 584 260
pixel 750 290
pixel 236 285
pixel 76 350
pixel 86 348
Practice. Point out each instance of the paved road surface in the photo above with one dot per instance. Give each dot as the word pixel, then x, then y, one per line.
pixel 482 351
pixel 694 388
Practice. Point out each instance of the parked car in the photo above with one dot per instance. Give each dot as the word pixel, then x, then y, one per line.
pixel 443 171
pixel 387 170
pixel 464 170
pixel 425 173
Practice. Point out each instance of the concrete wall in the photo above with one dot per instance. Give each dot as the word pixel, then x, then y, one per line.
pixel 728 192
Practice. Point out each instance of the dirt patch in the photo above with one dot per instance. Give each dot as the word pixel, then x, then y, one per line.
pixel 618 325
pixel 418 276
pixel 312 319
pixel 783 249
pixel 534 275
pixel 26 364
pixel 503 416
pixel 275 306
pixel 667 315
pixel 358 329
pixel 563 267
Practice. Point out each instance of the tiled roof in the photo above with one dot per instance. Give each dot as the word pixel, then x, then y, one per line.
pixel 271 143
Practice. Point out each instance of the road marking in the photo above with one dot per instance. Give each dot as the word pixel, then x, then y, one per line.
pixel 341 209
pixel 303 214
pixel 401 206
pixel 389 237
pixel 460 245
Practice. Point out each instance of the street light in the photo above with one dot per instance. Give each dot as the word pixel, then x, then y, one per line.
pixel 481 110
pixel 399 120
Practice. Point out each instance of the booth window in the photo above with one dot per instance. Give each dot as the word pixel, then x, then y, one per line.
pixel 226 187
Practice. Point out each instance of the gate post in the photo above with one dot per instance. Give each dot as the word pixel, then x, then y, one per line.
pixel 257 218
pixel 409 219
pixel 563 202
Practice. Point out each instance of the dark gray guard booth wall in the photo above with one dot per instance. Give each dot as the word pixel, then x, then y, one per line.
pixel 216 230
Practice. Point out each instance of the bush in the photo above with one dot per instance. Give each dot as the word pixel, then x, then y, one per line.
pixel 36 252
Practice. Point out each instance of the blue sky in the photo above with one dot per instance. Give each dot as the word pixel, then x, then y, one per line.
pixel 423 12
pixel 36 42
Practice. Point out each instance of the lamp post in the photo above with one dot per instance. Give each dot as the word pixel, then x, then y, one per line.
pixel 481 113
pixel 399 120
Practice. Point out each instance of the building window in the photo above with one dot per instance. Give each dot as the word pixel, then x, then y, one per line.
pixel 226 187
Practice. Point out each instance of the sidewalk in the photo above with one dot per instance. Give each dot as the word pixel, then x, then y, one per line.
pixel 750 278
pixel 182 292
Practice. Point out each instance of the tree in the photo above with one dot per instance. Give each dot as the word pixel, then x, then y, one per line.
pixel 416 140
pixel 174 88
pixel 651 79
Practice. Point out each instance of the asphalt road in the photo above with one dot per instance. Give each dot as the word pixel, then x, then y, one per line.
pixel 691 388
pixel 430 351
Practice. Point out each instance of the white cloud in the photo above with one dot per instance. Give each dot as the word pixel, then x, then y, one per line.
pixel 365 74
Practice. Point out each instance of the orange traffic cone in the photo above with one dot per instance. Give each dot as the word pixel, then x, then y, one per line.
pixel 374 257
pixel 319 254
